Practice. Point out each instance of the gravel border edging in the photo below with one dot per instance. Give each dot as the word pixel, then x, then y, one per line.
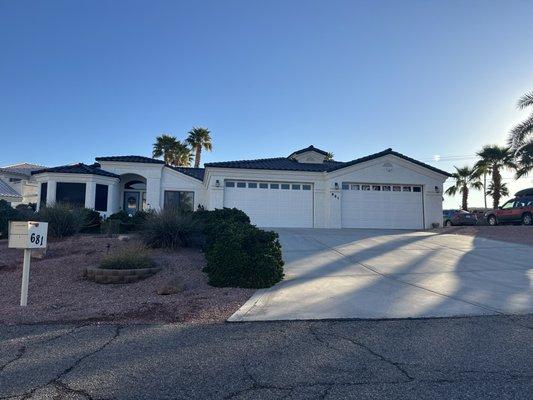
pixel 100 275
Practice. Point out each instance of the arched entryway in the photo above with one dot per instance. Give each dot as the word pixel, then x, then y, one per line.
pixel 133 193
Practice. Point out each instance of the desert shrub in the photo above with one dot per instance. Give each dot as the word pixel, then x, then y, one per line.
pixel 170 229
pixel 91 220
pixel 131 257
pixel 63 220
pixel 221 215
pixel 243 255
pixel 129 223
pixel 7 213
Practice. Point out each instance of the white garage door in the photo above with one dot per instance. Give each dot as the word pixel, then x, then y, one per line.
pixel 376 205
pixel 272 204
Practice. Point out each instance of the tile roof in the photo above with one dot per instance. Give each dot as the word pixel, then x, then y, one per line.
pixel 132 159
pixel 79 168
pixel 8 191
pixel 309 148
pixel 288 164
pixel 197 173
pixel 21 169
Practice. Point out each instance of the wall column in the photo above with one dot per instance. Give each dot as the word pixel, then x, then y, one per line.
pixel 51 192
pixel 90 195
pixel 153 193
pixel 112 198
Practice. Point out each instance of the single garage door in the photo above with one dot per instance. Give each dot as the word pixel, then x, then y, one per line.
pixel 367 205
pixel 272 204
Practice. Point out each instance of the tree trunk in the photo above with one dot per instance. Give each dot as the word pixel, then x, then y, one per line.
pixel 497 187
pixel 465 198
pixel 197 156
pixel 485 188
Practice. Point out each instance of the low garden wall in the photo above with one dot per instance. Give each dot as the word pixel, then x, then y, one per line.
pixel 100 275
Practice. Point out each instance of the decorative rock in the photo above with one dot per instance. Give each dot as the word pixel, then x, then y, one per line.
pixel 173 286
pixel 123 238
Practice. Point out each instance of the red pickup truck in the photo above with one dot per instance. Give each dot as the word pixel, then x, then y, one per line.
pixel 519 209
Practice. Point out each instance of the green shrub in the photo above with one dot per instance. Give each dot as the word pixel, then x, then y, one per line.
pixel 91 220
pixel 221 215
pixel 243 255
pixel 7 213
pixel 63 220
pixel 170 229
pixel 131 257
pixel 129 223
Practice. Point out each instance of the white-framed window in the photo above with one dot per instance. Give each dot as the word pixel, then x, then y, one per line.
pixel 355 187
pixel 263 185
pixel 274 186
pixel 396 188
pixel 241 184
pixel 306 187
pixel 376 188
pixel 345 186
pixel 285 186
pixel 386 188
pixel 230 184
pixel 417 189
pixel 252 185
pixel 365 187
pixel 295 187
pixel 406 188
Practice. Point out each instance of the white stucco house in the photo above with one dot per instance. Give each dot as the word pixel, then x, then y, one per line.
pixel 382 190
pixel 16 185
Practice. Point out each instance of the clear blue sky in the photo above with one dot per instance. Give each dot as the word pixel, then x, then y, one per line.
pixel 80 79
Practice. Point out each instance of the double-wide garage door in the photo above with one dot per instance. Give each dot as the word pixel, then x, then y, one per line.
pixel 272 204
pixel 366 205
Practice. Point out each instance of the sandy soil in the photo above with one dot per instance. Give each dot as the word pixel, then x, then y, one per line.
pixel 507 233
pixel 59 293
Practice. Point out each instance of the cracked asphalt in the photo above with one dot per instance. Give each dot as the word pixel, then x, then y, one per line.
pixel 486 357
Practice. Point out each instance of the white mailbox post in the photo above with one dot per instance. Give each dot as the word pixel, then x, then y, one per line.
pixel 27 235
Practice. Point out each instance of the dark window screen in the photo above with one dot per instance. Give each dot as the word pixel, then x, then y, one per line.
pixel 100 203
pixel 44 190
pixel 71 193
pixel 183 201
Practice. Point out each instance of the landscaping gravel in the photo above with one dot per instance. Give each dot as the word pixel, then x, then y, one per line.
pixel 58 292
pixel 507 233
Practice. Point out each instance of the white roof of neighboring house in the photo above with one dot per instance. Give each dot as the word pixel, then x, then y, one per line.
pixel 21 168
pixel 7 191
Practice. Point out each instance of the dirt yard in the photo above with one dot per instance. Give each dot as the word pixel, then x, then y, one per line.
pixel 59 293
pixel 507 233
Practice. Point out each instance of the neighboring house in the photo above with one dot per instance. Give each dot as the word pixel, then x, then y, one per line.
pixel 382 190
pixel 16 185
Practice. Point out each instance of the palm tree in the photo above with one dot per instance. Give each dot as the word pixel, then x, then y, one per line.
pixel 329 156
pixel 466 178
pixel 521 138
pixel 482 171
pixel 504 190
pixel 493 159
pixel 199 138
pixel 172 150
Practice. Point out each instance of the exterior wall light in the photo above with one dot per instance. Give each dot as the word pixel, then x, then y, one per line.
pixel 436 189
pixel 217 183
pixel 336 185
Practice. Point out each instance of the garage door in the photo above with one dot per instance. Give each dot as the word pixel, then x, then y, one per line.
pixel 272 204
pixel 367 205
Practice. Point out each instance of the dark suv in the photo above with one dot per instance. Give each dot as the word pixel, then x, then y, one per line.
pixel 458 217
pixel 519 209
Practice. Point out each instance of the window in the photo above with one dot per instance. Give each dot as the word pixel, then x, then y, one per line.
pixel 252 185
pixel 100 202
pixel 263 185
pixel 376 188
pixel 14 180
pixel 285 186
pixel 354 187
pixel 135 185
pixel 417 189
pixel 183 201
pixel 274 186
pixel 345 186
pixel 295 187
pixel 396 188
pixel 406 189
pixel 508 205
pixel 241 184
pixel 44 190
pixel 386 188
pixel 365 187
pixel 71 193
pixel 230 184
pixel 306 187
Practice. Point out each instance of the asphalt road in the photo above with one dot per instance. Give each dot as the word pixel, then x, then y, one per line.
pixel 487 357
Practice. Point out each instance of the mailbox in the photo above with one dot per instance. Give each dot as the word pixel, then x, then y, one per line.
pixel 27 234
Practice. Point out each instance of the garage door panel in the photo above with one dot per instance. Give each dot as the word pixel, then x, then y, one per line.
pixel 271 207
pixel 381 209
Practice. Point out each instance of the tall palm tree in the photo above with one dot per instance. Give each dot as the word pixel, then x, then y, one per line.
pixel 483 170
pixel 199 138
pixel 521 138
pixel 495 158
pixel 173 151
pixel 466 178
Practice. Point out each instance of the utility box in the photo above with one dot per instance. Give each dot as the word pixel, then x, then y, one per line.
pixel 27 234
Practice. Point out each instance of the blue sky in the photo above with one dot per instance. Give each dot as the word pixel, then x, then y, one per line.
pixel 80 79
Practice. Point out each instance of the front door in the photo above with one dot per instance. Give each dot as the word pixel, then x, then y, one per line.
pixel 131 202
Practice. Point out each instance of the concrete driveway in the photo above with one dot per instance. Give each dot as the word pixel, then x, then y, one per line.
pixel 357 273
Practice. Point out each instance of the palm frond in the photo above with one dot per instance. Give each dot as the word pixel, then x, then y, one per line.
pixel 526 100
pixel 520 132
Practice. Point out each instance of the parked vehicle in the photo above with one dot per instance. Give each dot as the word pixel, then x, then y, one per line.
pixel 458 217
pixel 519 209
